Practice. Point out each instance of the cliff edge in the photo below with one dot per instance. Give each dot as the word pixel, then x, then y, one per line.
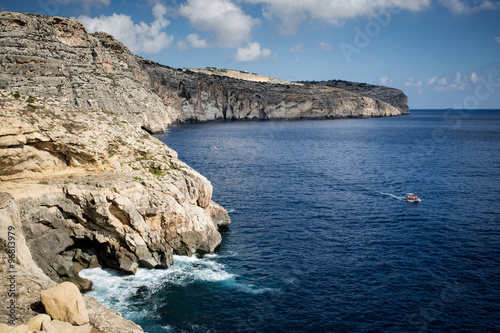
pixel 56 57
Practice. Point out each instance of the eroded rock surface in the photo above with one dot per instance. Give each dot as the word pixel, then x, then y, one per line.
pixel 56 57
pixel 94 190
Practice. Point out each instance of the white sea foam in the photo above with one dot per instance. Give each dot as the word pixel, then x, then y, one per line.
pixel 116 290
pixel 392 196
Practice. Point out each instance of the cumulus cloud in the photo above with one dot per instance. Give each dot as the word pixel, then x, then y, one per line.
pixel 230 25
pixel 292 13
pixel 468 7
pixel 497 39
pixel 432 80
pixel 192 41
pixel 412 82
pixel 87 3
pixel 459 82
pixel 252 52
pixel 384 80
pixel 441 84
pixel 142 37
pixel 474 78
pixel 299 48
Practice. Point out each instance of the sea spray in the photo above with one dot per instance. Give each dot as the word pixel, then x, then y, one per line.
pixel 130 294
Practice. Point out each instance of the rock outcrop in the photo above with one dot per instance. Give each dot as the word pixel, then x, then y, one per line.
pixel 94 190
pixel 56 57
pixel 392 96
pixel 200 97
pixel 30 281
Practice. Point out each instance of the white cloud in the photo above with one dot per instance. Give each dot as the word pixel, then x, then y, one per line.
pixel 474 78
pixel 252 52
pixel 87 3
pixel 192 41
pixel 466 7
pixel 324 46
pixel 442 82
pixel 142 37
pixel 411 82
pixel 384 80
pixel 196 42
pixel 299 48
pixel 432 80
pixel 230 25
pixel 460 82
pixel 292 13
pixel 497 39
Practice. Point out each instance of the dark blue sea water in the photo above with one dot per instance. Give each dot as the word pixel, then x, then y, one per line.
pixel 321 240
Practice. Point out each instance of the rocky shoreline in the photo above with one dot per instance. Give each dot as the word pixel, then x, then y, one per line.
pixel 84 184
pixel 86 189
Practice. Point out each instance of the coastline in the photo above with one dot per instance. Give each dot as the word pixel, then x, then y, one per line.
pixel 82 180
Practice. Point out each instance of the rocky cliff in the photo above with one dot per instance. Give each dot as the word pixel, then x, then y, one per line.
pixel 56 57
pixel 392 96
pixel 200 97
pixel 88 189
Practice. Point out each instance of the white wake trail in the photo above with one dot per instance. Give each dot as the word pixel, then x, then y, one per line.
pixel 392 196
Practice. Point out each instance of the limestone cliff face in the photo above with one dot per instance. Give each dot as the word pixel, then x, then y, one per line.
pixel 56 57
pixel 199 97
pixel 94 190
pixel 392 96
pixel 30 280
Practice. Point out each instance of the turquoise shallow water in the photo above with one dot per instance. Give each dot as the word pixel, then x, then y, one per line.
pixel 321 240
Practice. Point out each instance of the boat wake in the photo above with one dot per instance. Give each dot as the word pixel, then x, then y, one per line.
pixel 393 196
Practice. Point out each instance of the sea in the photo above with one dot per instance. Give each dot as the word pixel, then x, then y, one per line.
pixel 322 239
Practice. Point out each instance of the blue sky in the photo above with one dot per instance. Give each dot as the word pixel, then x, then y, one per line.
pixel 441 53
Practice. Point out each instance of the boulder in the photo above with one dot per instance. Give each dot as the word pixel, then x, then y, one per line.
pixel 35 323
pixel 48 327
pixel 62 326
pixel 19 329
pixel 4 328
pixel 64 302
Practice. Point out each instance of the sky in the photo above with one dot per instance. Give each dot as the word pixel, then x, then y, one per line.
pixel 441 53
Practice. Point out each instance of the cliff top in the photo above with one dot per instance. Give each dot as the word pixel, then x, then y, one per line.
pixel 242 75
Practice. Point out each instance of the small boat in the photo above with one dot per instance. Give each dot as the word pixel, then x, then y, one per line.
pixel 410 197
pixel 214 147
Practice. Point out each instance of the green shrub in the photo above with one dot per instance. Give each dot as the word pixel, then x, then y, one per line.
pixel 156 172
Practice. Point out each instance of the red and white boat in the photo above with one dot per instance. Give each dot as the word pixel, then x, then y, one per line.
pixel 410 197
